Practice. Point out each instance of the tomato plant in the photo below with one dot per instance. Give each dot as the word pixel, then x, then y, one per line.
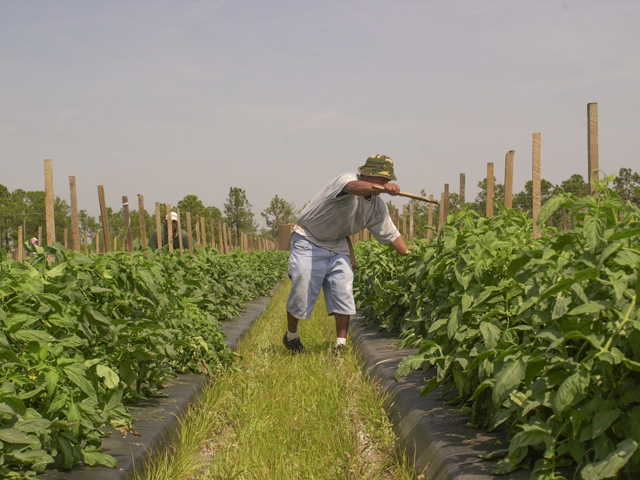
pixel 537 337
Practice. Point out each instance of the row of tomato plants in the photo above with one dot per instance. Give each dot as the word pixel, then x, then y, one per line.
pixel 538 337
pixel 81 336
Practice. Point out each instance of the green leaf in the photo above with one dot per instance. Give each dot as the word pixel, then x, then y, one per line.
pixel 33 336
pixel 408 365
pixel 587 274
pixel 79 378
pixel 609 467
pixel 111 378
pixel 490 334
pixel 624 234
pixel 572 386
pixel 56 271
pixel 454 321
pixel 507 380
pixel 603 420
pixel 38 458
pixel 12 435
pixel 591 307
pixel 30 425
pixel 96 457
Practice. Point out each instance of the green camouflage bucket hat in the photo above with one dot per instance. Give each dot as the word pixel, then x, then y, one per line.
pixel 378 166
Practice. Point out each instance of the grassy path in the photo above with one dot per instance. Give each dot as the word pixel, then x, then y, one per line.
pixel 281 416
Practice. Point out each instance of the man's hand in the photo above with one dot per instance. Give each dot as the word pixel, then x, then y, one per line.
pixel 391 189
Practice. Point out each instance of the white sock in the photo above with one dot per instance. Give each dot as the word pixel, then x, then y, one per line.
pixel 341 341
pixel 292 336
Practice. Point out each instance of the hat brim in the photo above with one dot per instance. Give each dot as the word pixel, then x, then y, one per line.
pixel 377 173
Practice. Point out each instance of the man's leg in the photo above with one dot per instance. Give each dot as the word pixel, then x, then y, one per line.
pixel 342 325
pixel 292 322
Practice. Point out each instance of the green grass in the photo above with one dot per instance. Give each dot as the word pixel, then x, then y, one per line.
pixel 282 416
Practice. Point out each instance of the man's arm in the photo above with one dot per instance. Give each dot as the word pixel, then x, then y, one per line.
pixel 401 246
pixel 364 189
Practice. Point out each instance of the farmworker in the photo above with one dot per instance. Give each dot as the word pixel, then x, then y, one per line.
pixel 320 249
pixel 34 243
pixel 153 241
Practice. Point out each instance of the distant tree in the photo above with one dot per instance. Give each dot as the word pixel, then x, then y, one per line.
pixel 524 200
pixel 575 184
pixel 279 211
pixel 237 210
pixel 623 185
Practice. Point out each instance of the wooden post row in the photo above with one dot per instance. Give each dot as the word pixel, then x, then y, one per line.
pixel 105 220
pixel 75 225
pixel 537 196
pixel 49 198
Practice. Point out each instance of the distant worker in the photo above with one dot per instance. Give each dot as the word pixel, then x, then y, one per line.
pixel 34 243
pixel 153 241
pixel 320 245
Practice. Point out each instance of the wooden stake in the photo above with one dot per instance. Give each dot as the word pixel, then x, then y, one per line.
pixel 159 226
pixel 169 229
pixel 430 220
pixel 86 247
pixel 411 221
pixel 49 199
pixel 127 223
pixel 75 224
pixel 198 232
pixel 446 203
pixel 204 232
pixel 537 194
pixel 225 241
pixel 592 147
pixel 489 190
pixel 97 243
pixel 508 179
pixel 143 226
pixel 20 255
pixel 65 238
pixel 115 244
pixel 441 212
pixel 220 238
pixel 189 233
pixel 40 236
pixel 213 234
pixel 565 221
pixel 180 233
pixel 463 181
pixel 404 222
pixel 105 220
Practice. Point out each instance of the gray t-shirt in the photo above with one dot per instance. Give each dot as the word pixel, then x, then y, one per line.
pixel 330 217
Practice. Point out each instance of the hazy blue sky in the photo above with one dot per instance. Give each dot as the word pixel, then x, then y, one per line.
pixel 169 98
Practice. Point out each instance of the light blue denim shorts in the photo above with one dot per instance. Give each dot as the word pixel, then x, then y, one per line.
pixel 311 268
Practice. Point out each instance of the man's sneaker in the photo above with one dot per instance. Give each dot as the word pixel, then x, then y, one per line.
pixel 294 345
pixel 338 350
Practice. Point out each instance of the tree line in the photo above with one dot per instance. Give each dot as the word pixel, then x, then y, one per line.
pixel 27 209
